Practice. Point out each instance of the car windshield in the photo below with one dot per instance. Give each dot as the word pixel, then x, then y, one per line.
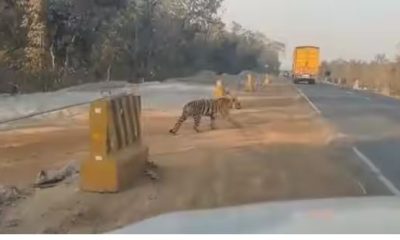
pixel 116 111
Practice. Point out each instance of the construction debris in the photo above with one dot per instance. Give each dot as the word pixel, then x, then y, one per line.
pixel 9 194
pixel 151 171
pixel 50 178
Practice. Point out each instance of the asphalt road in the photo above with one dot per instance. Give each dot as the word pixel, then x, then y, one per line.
pixel 372 121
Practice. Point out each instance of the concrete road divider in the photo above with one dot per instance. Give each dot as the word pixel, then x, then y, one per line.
pixel 117 154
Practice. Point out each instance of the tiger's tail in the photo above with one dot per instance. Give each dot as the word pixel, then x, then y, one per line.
pixel 178 124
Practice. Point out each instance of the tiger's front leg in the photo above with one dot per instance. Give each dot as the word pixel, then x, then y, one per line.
pixel 227 116
pixel 197 120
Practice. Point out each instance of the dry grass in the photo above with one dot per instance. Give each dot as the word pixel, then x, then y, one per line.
pixel 381 77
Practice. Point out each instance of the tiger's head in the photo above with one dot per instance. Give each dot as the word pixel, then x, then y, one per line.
pixel 231 101
pixel 236 103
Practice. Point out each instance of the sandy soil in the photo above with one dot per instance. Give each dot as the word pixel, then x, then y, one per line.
pixel 281 152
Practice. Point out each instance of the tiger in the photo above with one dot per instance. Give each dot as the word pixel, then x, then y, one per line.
pixel 209 108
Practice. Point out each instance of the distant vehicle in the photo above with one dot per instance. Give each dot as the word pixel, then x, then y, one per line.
pixel 306 63
pixel 285 74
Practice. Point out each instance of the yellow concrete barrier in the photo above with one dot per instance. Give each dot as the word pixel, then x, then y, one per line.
pixel 219 90
pixel 117 154
pixel 250 83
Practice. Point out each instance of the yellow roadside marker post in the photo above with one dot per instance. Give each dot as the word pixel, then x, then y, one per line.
pixel 267 81
pixel 219 90
pixel 250 83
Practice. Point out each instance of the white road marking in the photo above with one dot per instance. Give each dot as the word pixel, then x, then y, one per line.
pixel 308 100
pixel 378 172
pixel 391 187
pixel 349 92
pixel 337 137
pixel 363 190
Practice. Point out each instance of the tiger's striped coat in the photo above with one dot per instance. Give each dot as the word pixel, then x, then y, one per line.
pixel 209 108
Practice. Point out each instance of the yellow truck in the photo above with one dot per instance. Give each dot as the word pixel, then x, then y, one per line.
pixel 306 63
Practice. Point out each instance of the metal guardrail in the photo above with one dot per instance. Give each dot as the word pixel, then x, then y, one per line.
pixel 45 112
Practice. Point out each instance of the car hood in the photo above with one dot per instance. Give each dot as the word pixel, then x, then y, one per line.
pixel 344 215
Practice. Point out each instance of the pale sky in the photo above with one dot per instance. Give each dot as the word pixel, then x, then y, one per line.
pixel 349 29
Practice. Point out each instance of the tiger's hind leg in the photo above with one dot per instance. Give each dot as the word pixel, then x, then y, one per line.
pixel 197 120
pixel 212 122
pixel 178 124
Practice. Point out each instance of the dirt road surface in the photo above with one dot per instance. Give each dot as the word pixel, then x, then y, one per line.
pixel 282 151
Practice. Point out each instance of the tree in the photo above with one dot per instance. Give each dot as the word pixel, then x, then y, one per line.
pixel 64 40
pixel 380 59
pixel 37 38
